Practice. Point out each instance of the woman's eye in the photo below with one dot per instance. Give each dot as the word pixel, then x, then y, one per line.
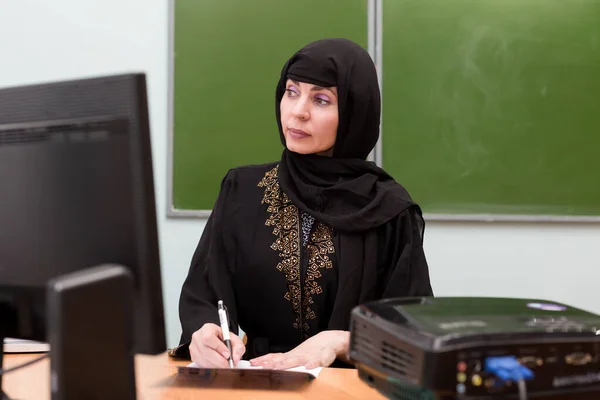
pixel 321 102
pixel 291 92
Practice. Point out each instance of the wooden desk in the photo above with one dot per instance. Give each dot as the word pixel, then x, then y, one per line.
pixel 157 378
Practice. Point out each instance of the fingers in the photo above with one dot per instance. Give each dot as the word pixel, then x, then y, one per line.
pixel 237 347
pixel 207 349
pixel 293 359
pixel 211 338
pixel 290 361
pixel 280 360
pixel 267 359
pixel 209 359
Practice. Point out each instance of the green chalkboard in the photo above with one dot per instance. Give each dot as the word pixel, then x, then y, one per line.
pixel 227 58
pixel 493 106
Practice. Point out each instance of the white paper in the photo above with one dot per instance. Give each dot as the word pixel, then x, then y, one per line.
pixel 243 364
pixel 12 345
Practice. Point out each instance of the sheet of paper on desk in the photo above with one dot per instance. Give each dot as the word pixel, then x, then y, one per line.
pixel 243 364
pixel 12 345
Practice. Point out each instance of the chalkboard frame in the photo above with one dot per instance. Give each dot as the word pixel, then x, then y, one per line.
pixel 375 48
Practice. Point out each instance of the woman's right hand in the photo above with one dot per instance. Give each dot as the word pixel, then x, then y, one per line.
pixel 208 349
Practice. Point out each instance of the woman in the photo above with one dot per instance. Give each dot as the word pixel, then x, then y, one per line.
pixel 291 247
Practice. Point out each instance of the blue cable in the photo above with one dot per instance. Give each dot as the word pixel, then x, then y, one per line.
pixel 507 368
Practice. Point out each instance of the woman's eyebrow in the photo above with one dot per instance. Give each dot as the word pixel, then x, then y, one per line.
pixel 316 88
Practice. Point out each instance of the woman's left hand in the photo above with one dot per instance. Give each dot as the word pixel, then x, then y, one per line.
pixel 320 350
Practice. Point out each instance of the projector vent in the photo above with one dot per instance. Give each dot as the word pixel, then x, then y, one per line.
pixel 395 359
pixel 362 343
pixel 378 349
pixel 411 393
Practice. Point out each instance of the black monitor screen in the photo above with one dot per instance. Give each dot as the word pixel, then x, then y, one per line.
pixel 77 191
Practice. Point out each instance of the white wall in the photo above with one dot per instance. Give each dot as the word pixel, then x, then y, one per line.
pixel 43 40
pixel 554 261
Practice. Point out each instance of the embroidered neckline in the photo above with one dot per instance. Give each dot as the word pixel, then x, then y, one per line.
pixel 284 217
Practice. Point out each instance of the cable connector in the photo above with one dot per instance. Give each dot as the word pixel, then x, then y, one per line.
pixel 507 368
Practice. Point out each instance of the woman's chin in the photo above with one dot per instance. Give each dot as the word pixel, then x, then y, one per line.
pixel 305 147
pixel 300 148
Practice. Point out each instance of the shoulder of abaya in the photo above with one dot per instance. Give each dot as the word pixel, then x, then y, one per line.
pixel 250 172
pixel 409 221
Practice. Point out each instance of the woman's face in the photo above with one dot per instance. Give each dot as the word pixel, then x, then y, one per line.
pixel 309 118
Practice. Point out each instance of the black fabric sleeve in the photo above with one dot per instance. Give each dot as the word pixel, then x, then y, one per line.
pixel 405 272
pixel 386 263
pixel 209 276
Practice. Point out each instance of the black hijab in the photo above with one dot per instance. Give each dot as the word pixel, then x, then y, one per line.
pixel 344 191
pixel 348 193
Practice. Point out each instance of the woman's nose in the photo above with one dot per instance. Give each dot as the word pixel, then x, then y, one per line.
pixel 300 110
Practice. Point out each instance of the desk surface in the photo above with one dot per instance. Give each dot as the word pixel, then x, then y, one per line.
pixel 157 378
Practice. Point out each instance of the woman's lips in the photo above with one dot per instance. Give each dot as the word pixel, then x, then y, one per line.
pixel 297 133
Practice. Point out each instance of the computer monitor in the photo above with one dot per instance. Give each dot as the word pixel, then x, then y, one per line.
pixel 76 192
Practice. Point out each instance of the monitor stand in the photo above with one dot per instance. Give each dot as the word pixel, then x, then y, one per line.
pixel 90 332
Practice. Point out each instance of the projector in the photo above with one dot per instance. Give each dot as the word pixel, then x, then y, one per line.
pixel 430 348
